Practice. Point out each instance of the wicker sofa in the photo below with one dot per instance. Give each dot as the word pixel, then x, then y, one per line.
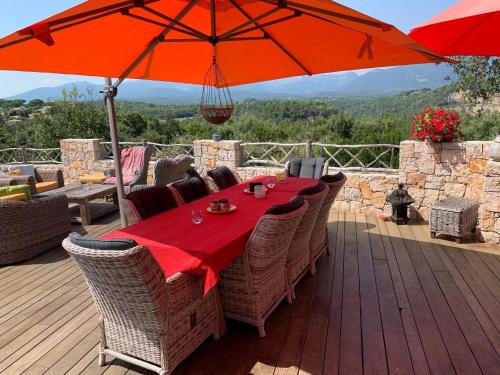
pixel 44 180
pixel 31 227
pixel 145 319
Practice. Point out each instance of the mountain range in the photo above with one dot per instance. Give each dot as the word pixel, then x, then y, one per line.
pixel 371 83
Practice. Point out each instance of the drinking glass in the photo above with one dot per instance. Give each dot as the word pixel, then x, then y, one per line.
pixel 196 216
pixel 271 182
pixel 259 191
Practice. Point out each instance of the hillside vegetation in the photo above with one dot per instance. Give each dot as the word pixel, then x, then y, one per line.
pixel 384 119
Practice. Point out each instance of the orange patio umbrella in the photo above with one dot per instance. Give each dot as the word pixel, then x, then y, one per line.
pixel 176 40
pixel 469 27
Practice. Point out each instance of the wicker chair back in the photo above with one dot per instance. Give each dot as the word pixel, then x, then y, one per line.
pixel 299 252
pixel 319 239
pixel 268 245
pixel 128 286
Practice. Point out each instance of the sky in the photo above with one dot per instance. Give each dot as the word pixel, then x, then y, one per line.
pixel 16 14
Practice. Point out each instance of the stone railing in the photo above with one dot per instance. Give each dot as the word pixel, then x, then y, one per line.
pixel 367 158
pixel 23 155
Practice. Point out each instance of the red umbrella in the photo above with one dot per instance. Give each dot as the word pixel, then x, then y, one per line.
pixel 470 27
pixel 177 40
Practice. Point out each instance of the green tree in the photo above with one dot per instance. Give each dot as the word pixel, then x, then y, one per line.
pixel 478 78
pixel 131 124
pixel 35 103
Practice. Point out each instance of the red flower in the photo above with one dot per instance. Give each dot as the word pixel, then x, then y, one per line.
pixel 435 125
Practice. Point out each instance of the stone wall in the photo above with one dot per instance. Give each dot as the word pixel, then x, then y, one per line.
pixel 81 157
pixel 489 216
pixel 363 192
pixel 211 154
pixel 461 169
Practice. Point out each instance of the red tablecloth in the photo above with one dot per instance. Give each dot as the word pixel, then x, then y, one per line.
pixel 205 249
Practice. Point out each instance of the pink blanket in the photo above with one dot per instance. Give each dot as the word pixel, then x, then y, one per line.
pixel 132 160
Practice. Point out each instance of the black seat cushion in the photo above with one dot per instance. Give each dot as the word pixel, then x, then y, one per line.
pixel 191 189
pixel 286 208
pixel 306 167
pixel 101 244
pixel 223 177
pixel 329 179
pixel 319 187
pixel 152 201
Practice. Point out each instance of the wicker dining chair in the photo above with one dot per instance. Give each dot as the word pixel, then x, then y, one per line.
pixel 254 284
pixel 222 178
pixel 319 238
pixel 189 189
pixel 147 202
pixel 299 254
pixel 306 167
pixel 144 319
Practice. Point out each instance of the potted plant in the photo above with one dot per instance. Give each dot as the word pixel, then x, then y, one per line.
pixel 436 125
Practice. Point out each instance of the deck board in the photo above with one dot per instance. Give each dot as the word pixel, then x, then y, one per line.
pixel 388 299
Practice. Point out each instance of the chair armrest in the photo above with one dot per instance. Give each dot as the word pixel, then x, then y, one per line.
pixel 51 175
pixel 7 181
pixel 21 180
pixel 184 291
pixel 131 213
pixel 237 177
pixel 287 168
pixel 136 179
pixel 212 186
pixel 325 168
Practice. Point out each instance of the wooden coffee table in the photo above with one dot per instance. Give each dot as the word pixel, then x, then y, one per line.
pixel 82 195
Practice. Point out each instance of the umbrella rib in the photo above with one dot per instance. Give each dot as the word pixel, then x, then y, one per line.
pixel 82 17
pixel 152 45
pixel 466 32
pixel 278 44
pixel 248 23
pixel 269 23
pixel 379 25
pixel 178 23
pixel 164 25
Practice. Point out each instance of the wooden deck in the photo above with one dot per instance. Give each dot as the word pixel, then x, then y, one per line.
pixel 387 300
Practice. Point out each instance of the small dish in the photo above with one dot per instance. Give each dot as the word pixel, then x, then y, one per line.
pixel 231 209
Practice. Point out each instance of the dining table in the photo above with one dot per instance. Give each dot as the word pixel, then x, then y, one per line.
pixel 205 249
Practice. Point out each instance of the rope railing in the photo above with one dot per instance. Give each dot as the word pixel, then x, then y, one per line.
pixel 23 155
pixel 160 150
pixel 367 157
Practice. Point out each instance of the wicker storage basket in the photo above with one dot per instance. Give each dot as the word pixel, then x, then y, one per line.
pixel 453 216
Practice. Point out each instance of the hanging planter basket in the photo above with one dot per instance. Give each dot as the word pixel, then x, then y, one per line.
pixel 216 103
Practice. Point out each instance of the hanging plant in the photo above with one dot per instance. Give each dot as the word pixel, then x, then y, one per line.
pixel 216 103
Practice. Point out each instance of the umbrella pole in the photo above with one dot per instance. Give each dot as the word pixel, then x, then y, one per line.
pixel 109 97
